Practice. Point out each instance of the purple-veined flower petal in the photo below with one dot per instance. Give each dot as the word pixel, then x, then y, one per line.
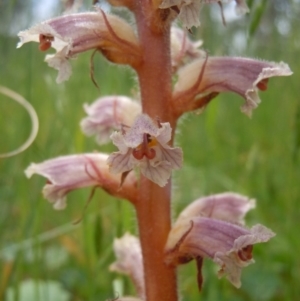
pixel 75 33
pixel 227 244
pixel 221 74
pixel 68 173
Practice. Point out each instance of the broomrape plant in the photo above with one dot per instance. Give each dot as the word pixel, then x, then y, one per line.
pixel 140 170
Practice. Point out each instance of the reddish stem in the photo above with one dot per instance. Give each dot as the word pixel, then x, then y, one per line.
pixel 153 204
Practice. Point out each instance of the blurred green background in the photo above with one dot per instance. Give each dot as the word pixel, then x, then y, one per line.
pixel 43 256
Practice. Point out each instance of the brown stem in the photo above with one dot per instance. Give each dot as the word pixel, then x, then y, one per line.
pixel 153 204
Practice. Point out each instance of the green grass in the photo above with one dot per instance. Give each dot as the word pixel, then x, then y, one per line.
pixel 223 150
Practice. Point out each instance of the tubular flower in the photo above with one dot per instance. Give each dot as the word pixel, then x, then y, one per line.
pixel 146 145
pixel 227 244
pixel 76 33
pixel 220 74
pixel 227 206
pixel 68 173
pixel 129 261
pixel 107 114
pixel 189 10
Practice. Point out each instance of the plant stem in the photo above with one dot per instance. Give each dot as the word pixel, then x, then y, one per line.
pixel 153 205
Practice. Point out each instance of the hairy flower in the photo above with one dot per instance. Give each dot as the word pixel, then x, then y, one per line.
pixel 75 33
pixel 107 114
pixel 68 173
pixel 189 10
pixel 227 244
pixel 226 206
pixel 210 227
pixel 129 261
pixel 146 145
pixel 221 74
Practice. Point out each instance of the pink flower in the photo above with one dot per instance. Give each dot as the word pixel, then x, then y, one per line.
pixel 107 114
pixel 68 173
pixel 72 34
pixel 145 145
pixel 221 74
pixel 227 244
pixel 202 232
